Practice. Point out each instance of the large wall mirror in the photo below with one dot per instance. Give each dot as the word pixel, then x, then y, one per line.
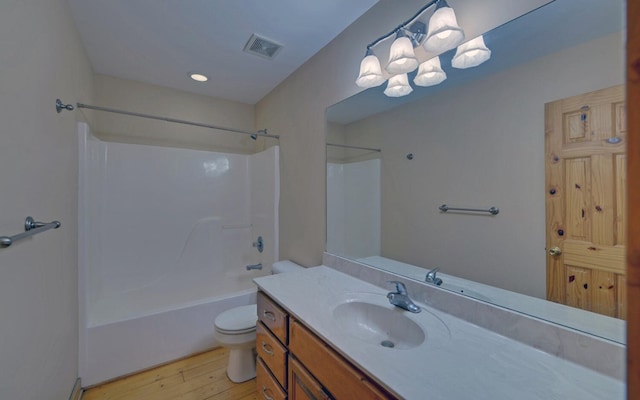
pixel 477 140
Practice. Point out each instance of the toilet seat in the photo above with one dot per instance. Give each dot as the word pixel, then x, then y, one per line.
pixel 238 320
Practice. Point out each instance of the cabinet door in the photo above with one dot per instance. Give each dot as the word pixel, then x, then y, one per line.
pixel 303 386
pixel 341 379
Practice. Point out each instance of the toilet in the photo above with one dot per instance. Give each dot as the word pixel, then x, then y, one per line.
pixel 235 329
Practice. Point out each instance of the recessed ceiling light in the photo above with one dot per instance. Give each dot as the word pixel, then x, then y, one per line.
pixel 199 77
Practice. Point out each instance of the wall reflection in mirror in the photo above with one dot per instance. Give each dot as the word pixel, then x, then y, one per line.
pixel 474 141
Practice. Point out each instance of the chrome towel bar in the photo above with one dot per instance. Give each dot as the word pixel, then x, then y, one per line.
pixel 491 210
pixel 31 228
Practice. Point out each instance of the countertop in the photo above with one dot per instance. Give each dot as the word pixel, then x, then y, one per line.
pixel 596 324
pixel 458 360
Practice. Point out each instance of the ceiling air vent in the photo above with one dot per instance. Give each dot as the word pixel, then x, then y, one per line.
pixel 262 47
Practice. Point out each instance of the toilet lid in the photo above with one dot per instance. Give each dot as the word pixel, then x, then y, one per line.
pixel 238 319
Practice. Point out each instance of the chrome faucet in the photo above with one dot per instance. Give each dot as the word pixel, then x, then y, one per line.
pixel 400 298
pixel 432 278
pixel 255 266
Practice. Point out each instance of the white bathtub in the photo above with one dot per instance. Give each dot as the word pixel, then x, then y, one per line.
pixel 164 236
pixel 119 348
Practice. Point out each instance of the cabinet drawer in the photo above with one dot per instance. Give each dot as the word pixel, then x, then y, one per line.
pixel 274 317
pixel 339 377
pixel 268 387
pixel 272 352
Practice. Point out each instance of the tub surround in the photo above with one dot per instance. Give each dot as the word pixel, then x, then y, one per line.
pixel 164 236
pixel 490 365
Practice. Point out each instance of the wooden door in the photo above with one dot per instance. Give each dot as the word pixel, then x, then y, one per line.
pixel 585 165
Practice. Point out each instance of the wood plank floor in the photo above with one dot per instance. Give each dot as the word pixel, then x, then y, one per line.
pixel 201 377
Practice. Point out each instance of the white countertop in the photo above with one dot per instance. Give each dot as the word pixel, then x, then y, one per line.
pixel 458 360
pixel 596 324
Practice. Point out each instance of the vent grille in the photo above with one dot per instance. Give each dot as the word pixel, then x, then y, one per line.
pixel 262 47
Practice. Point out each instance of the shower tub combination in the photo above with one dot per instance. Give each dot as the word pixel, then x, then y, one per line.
pixel 164 238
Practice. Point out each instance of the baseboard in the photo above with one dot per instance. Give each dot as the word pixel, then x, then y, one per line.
pixel 76 393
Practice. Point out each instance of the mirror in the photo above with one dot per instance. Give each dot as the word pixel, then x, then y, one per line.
pixel 476 140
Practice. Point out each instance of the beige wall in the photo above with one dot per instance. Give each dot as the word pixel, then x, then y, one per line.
pixel 160 101
pixel 476 146
pixel 41 58
pixel 296 111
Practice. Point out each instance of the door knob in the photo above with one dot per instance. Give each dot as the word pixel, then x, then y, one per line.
pixel 555 251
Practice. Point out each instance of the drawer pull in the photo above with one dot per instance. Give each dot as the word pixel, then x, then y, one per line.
pixel 269 315
pixel 264 393
pixel 267 348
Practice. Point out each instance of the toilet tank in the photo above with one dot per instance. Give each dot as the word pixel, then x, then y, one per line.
pixel 280 267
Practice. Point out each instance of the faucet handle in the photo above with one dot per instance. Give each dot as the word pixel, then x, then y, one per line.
pixel 400 287
pixel 431 275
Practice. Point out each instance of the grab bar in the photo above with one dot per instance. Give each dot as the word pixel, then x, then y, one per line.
pixel 31 228
pixel 491 210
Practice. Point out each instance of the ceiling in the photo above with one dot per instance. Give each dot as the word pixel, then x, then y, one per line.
pixel 162 41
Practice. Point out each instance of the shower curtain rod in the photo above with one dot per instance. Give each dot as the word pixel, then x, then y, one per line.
pixel 354 147
pixel 261 133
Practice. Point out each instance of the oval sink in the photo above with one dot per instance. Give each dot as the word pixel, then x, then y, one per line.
pixel 382 325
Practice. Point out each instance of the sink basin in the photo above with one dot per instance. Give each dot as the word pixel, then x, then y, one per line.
pixel 378 324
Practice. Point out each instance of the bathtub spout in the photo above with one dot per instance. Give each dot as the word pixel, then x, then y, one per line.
pixel 255 266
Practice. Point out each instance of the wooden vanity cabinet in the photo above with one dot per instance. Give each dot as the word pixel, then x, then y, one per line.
pixel 294 362
pixel 272 334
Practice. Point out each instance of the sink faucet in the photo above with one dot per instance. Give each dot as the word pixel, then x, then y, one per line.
pixel 432 278
pixel 256 266
pixel 400 298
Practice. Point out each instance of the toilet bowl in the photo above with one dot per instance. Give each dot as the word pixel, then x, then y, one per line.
pixel 235 329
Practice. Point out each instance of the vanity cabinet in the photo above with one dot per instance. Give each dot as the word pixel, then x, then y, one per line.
pixel 272 331
pixel 294 362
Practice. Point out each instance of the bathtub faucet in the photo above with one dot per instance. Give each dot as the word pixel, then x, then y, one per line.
pixel 255 266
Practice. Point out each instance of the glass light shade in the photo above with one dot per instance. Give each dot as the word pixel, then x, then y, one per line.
pixel 471 54
pixel 398 86
pixel 402 59
pixel 430 73
pixel 443 32
pixel 370 72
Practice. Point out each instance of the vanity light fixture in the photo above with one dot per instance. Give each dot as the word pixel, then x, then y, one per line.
pixel 198 77
pixel 471 54
pixel 430 73
pixel 402 58
pixel 398 86
pixel 370 71
pixel 443 34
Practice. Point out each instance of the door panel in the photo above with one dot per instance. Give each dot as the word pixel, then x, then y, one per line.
pixel 586 188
